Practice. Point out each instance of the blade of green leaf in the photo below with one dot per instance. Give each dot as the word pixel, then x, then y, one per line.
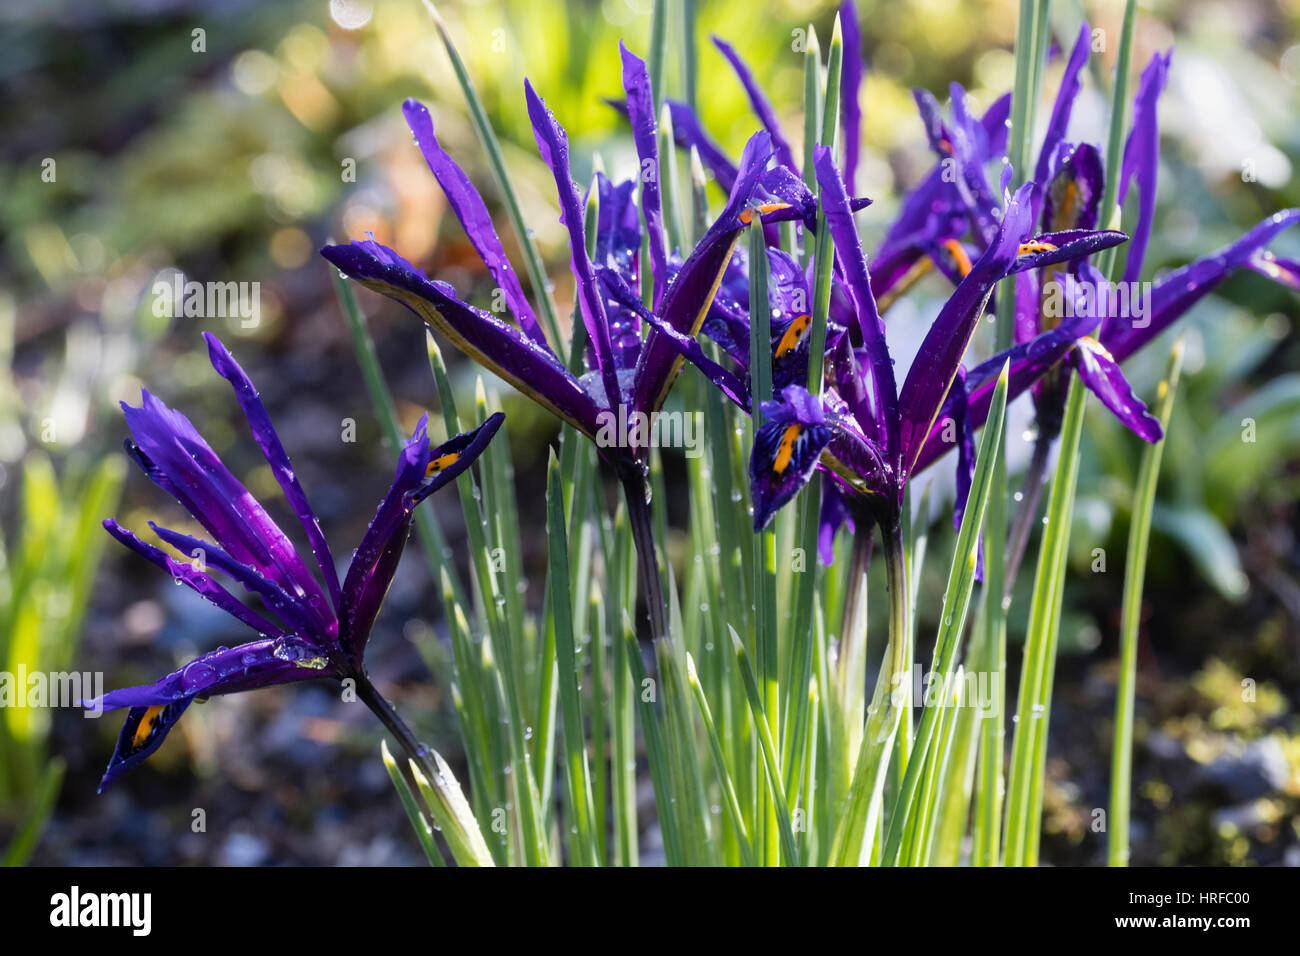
pixel 1135 562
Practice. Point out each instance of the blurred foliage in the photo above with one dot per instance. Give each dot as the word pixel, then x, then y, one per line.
pixel 44 590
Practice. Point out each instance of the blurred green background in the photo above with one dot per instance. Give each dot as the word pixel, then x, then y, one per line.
pixel 229 140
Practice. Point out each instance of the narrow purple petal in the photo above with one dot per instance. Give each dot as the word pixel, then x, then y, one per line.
pixel 941 352
pixel 267 439
pixel 469 208
pixel 853 262
pixel 1101 373
pixel 295 616
pixel 969 147
pixel 688 132
pixel 1280 270
pixel 835 513
pixel 1028 306
pixel 198 581
pixel 846 373
pixel 1174 295
pixel 135 744
pixel 448 460
pixel 686 346
pixel 228 670
pixel 1066 94
pixel 420 472
pixel 1053 247
pixel 786 449
pixel 177 458
pixel 388 527
pixel 964 438
pixel 850 87
pixel 1142 159
pixel 1072 196
pixel 618 247
pixel 1027 363
pixel 688 299
pixel 645 135
pixel 932 211
pixel 553 144
pixel 532 369
pixel 155 708
pixel 994 122
pixel 758 100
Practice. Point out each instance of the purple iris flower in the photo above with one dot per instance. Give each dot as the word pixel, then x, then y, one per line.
pixel 1055 314
pixel 316 631
pixel 1071 318
pixel 625 369
pixel 866 421
pixel 865 432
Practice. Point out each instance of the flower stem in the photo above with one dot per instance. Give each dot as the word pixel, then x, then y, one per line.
pixel 643 538
pixel 1031 493
pixel 389 717
pixel 899 656
pixel 852 676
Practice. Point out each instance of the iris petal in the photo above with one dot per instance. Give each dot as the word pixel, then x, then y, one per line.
pixel 853 262
pixel 553 144
pixel 155 708
pixel 645 136
pixel 941 352
pixel 1142 159
pixel 420 472
pixel 499 347
pixel 787 446
pixel 191 576
pixel 267 439
pixel 1173 295
pixel 176 457
pixel 1101 373
pixel 758 100
pixel 688 299
pixel 468 206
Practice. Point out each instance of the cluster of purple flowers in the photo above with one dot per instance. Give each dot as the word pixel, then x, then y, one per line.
pixel 644 307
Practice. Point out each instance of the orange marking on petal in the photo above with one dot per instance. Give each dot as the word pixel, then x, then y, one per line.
pixel 958 252
pixel 909 279
pixel 1066 211
pixel 146 726
pixel 1029 248
pixel 440 463
pixel 793 334
pixel 785 450
pixel 747 215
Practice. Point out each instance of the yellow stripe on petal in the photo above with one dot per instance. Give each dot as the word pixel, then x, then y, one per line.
pixel 785 450
pixel 435 319
pixel 440 463
pixel 1030 248
pixel 909 279
pixel 146 726
pixel 793 334
pixel 747 215
pixel 696 323
pixel 958 253
pixel 1066 213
